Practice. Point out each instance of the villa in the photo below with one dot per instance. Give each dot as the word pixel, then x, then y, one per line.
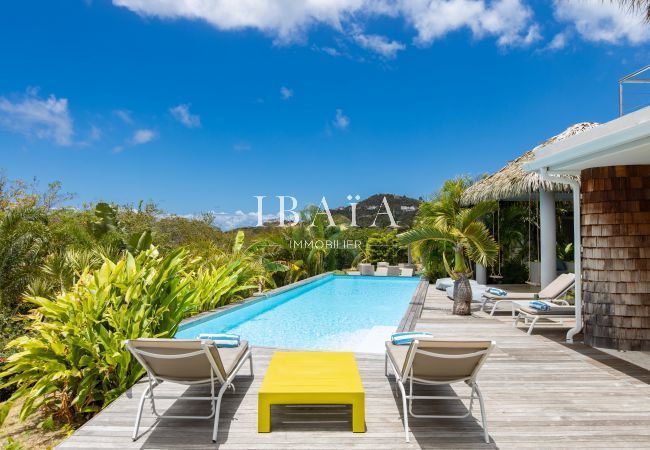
pixel 541 389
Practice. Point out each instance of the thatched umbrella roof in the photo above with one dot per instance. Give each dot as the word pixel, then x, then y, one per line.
pixel 512 182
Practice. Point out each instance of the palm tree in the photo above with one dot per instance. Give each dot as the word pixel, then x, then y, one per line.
pixel 462 229
pixel 637 5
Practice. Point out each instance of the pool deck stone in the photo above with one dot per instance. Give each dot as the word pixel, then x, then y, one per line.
pixel 539 393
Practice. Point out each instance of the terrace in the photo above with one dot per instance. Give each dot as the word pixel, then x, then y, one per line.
pixel 539 392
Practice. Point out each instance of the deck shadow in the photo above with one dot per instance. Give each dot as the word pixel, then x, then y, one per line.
pixel 164 433
pixel 452 432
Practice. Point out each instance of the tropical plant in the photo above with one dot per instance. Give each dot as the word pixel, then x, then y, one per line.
pixel 72 361
pixel 461 228
pixel 23 247
pixel 384 247
pixel 303 247
pixel 641 6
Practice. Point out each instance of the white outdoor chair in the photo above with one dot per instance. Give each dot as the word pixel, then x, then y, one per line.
pixel 381 271
pixel 554 292
pixel 438 362
pixel 188 362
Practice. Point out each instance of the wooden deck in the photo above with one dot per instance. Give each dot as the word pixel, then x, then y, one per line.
pixel 539 393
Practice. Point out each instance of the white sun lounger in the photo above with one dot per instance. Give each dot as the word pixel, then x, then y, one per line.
pixel 382 271
pixel 436 362
pixel 553 292
pixel 530 316
pixel 188 362
pixel 366 269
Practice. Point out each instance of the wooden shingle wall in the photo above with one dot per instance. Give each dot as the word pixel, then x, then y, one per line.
pixel 616 256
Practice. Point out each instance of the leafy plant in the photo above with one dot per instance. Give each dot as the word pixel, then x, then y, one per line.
pixel 462 229
pixel 73 361
pixel 384 247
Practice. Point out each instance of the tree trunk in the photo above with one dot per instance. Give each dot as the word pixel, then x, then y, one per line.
pixel 462 296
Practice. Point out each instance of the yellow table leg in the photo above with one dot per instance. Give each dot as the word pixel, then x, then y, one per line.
pixel 263 415
pixel 358 414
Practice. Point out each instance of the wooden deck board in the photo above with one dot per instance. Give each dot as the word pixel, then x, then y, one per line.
pixel 539 392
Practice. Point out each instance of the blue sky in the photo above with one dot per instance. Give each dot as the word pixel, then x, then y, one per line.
pixel 199 108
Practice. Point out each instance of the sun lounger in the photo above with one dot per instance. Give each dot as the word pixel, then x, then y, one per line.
pixel 188 362
pixel 436 362
pixel 406 272
pixel 531 316
pixel 381 271
pixel 393 271
pixel 366 269
pixel 382 264
pixel 553 292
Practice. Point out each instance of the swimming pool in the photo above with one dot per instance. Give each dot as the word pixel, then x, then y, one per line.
pixel 351 313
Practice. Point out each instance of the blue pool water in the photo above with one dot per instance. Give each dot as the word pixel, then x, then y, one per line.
pixel 351 313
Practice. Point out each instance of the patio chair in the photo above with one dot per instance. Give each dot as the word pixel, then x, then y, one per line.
pixel 366 269
pixel 393 271
pixel 188 362
pixel 438 362
pixel 553 293
pixel 531 316
pixel 381 271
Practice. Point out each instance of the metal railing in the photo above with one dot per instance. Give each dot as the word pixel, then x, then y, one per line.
pixel 631 79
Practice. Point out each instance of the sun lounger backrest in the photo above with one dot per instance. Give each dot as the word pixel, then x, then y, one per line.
pixel 435 361
pixel 178 360
pixel 558 286
pixel 366 269
pixel 393 271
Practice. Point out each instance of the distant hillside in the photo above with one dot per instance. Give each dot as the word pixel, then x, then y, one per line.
pixel 403 209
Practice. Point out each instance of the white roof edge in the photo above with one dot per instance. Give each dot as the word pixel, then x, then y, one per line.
pixel 591 142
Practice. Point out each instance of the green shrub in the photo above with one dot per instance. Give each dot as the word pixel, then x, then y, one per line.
pixel 73 361
pixel 385 247
pixel 216 286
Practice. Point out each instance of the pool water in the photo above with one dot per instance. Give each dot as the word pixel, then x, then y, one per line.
pixel 347 313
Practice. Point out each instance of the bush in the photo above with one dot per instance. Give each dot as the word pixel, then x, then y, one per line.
pixel 385 247
pixel 73 361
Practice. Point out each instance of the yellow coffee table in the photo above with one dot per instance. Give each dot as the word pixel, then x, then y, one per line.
pixel 312 378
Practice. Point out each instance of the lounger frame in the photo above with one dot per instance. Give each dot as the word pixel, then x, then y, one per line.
pixel 531 319
pixel 410 379
pixel 215 376
pixel 561 297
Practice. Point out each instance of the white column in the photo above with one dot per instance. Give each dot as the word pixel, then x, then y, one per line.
pixel 548 241
pixel 481 274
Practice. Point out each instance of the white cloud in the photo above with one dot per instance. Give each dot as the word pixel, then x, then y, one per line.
pixel 510 21
pixel 124 115
pixel 603 21
pixel 341 121
pixel 142 136
pixel 331 51
pixel 286 93
pixel 42 118
pixel 228 221
pixel 183 115
pixel 558 42
pixel 379 44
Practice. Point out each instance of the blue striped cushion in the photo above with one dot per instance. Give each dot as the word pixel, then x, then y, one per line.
pixel 406 337
pixel 221 339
